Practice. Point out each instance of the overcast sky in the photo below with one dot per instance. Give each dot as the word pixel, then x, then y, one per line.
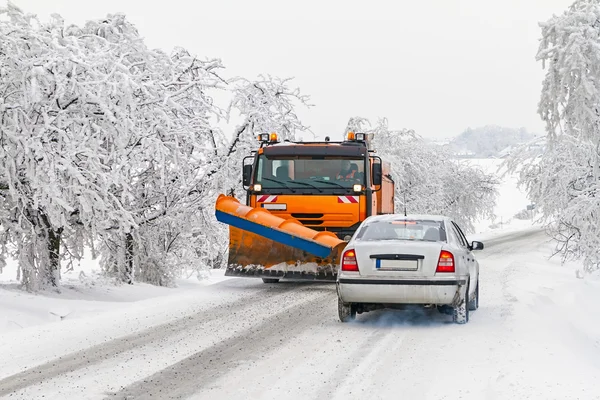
pixel 435 66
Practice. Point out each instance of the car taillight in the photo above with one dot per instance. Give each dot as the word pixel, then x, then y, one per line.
pixel 349 261
pixel 446 262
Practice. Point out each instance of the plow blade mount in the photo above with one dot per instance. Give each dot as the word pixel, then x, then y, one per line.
pixel 265 246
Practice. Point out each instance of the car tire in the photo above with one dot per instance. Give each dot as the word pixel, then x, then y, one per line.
pixel 474 303
pixel 461 312
pixel 346 311
pixel 270 280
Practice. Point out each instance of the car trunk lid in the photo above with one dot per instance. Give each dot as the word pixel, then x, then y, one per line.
pixel 397 258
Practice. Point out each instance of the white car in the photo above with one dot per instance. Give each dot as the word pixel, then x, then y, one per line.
pixel 394 260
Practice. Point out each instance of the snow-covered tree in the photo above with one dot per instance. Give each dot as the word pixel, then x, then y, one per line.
pixel 56 129
pixel 163 156
pixel 564 180
pixel 105 140
pixel 265 105
pixel 428 179
pixel 102 138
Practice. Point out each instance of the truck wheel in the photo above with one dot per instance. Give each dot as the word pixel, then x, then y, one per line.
pixel 346 311
pixel 461 311
pixel 270 280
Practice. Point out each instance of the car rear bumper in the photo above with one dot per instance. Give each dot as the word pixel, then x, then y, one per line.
pixel 402 291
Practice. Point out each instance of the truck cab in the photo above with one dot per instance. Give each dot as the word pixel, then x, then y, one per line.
pixel 326 186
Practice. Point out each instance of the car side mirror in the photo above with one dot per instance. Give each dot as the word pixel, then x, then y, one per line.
pixel 247 174
pixel 377 175
pixel 476 245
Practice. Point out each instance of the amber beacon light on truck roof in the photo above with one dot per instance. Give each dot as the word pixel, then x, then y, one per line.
pixel 273 137
pixel 268 137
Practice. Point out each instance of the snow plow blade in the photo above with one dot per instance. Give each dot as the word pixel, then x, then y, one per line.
pixel 263 245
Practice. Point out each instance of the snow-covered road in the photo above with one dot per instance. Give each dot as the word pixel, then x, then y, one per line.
pixel 534 336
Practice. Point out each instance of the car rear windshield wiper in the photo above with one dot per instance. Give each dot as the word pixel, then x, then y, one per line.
pixel 333 183
pixel 280 182
pixel 307 184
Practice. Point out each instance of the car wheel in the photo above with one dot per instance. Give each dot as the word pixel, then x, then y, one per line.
pixel 474 303
pixel 346 311
pixel 270 280
pixel 461 312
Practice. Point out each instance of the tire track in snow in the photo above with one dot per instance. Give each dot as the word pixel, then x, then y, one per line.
pixel 190 375
pixel 112 348
pixel 509 273
pixel 287 369
pixel 352 378
pixel 504 246
pixel 500 244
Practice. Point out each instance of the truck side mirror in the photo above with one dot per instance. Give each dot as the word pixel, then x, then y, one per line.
pixel 247 174
pixel 377 175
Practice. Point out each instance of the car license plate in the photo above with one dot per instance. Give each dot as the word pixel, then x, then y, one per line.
pixel 397 265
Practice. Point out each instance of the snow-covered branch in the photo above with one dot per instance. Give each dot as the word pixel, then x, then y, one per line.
pixel 428 179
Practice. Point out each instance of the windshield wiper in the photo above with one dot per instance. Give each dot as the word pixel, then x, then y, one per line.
pixel 280 182
pixel 333 183
pixel 307 184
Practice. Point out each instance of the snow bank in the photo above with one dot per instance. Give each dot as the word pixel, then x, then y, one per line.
pixel 90 316
pixel 83 293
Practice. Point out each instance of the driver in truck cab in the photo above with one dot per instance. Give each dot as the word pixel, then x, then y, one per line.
pixel 347 172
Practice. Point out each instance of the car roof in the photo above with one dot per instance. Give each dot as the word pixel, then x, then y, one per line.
pixel 400 217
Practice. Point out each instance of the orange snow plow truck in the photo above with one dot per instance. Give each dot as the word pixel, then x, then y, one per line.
pixel 304 201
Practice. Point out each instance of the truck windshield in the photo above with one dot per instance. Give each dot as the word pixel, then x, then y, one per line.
pixel 307 172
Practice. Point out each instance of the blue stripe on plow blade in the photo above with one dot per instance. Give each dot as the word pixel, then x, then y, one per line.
pixel 310 246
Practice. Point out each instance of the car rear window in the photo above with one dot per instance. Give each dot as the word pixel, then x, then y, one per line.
pixel 418 229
